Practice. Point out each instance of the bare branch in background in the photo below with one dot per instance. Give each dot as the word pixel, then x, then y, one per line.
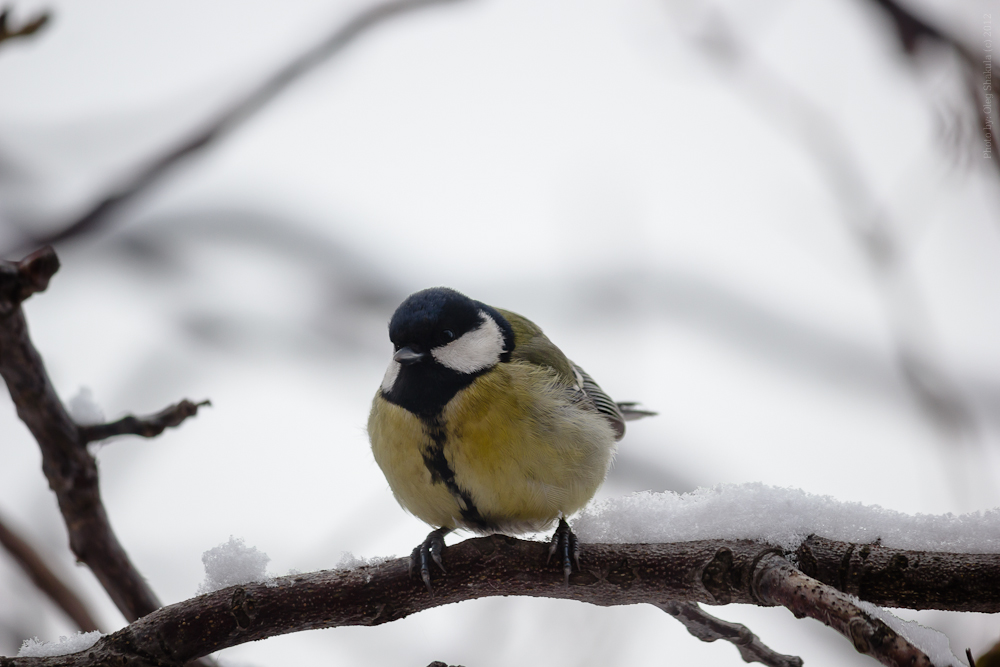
pixel 45 579
pixel 29 27
pixel 708 628
pixel 147 427
pixel 228 120
pixel 69 467
pixel 708 571
pixel 912 30
pixel 868 222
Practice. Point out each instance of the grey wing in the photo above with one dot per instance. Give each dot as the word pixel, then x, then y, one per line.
pixel 601 401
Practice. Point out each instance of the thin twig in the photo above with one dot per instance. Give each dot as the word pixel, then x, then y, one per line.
pixel 708 628
pixel 147 427
pixel 45 579
pixel 229 119
pixel 29 27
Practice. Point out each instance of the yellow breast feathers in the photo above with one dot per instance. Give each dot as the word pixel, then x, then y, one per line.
pixel 511 452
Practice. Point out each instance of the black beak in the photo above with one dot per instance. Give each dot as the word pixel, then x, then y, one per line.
pixel 408 356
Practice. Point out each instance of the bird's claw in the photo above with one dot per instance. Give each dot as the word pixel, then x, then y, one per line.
pixel 565 542
pixel 427 551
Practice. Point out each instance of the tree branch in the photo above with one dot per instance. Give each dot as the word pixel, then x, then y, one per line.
pixel 911 30
pixel 147 427
pixel 708 628
pixel 229 119
pixel 712 572
pixel 917 356
pixel 69 467
pixel 45 579
pixel 782 584
pixel 897 578
pixel 29 27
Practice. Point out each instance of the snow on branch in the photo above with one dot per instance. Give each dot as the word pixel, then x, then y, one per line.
pixel 706 571
pixel 782 517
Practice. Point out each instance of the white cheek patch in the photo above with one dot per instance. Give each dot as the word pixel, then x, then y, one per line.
pixel 474 351
pixel 391 374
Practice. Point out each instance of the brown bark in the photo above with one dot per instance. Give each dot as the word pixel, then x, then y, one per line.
pixel 781 584
pixel 708 628
pixel 900 578
pixel 147 427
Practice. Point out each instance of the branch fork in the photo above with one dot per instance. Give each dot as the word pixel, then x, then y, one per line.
pixel 70 469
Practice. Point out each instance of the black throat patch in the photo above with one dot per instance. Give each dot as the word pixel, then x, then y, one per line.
pixel 425 388
pixel 442 473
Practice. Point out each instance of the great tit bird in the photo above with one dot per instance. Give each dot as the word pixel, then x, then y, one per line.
pixel 482 423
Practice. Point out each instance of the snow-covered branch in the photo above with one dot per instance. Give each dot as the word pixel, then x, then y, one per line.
pixel 706 571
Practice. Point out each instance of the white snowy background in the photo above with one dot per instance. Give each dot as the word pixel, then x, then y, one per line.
pixel 677 219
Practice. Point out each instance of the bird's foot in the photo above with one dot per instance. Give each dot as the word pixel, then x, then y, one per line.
pixel 565 543
pixel 427 551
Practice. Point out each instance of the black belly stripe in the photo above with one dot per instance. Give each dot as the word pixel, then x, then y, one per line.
pixel 441 473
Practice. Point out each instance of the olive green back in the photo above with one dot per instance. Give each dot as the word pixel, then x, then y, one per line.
pixel 533 346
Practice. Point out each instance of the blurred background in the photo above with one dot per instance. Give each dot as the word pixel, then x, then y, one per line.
pixel 774 222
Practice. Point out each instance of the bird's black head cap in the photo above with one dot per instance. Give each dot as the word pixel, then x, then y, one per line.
pixel 429 320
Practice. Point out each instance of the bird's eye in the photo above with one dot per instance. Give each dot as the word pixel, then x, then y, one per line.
pixel 448 334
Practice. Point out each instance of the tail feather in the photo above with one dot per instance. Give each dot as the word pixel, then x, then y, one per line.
pixel 630 412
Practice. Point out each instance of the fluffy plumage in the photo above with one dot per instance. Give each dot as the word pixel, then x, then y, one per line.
pixel 482 423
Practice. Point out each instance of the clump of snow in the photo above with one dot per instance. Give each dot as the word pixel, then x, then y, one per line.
pixel 84 409
pixel 34 648
pixel 780 516
pixel 935 644
pixel 232 563
pixel 349 561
